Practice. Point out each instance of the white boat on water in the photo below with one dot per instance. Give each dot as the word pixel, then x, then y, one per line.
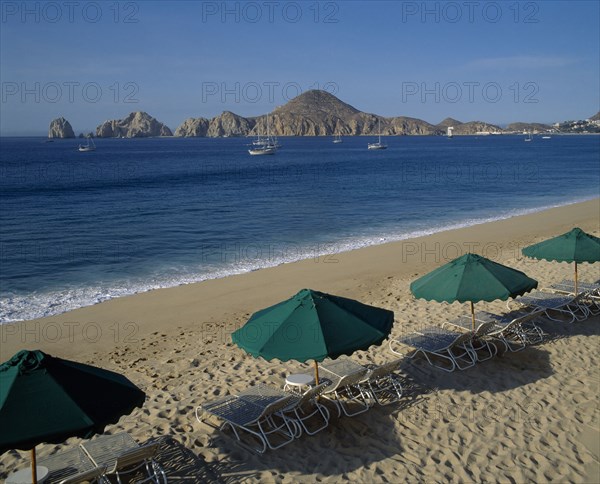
pixel 546 137
pixel 449 131
pixel 90 146
pixel 263 150
pixel 378 145
pixel 337 139
pixel 528 138
pixel 264 146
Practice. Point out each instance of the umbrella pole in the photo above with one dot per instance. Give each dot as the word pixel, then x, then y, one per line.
pixel 33 467
pixel 316 373
pixel 472 315
pixel 576 292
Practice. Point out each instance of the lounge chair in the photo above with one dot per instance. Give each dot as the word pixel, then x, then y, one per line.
pixel 66 464
pixel 516 330
pixel 590 291
pixel 550 303
pixel 347 392
pixel 436 343
pixel 383 384
pixel 134 461
pixel 93 476
pixel 257 412
pixel 125 459
pixel 306 407
pixel 479 345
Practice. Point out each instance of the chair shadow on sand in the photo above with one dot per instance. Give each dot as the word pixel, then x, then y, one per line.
pixel 337 443
pixel 182 464
pixel 556 331
pixel 501 373
pixel 507 370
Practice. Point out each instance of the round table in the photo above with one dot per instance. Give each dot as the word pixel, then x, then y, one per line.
pixel 296 381
pixel 23 476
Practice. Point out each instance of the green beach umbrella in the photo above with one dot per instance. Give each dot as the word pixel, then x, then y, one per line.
pixel 472 278
pixel 574 246
pixel 313 326
pixel 48 399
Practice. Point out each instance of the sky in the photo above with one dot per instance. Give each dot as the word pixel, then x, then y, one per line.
pixel 496 61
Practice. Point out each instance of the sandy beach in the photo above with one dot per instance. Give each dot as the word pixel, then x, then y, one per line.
pixel 526 416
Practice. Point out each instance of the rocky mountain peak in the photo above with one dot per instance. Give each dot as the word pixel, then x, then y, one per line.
pixel 449 122
pixel 316 101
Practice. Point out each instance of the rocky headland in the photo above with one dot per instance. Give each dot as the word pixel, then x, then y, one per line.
pixel 313 113
pixel 528 127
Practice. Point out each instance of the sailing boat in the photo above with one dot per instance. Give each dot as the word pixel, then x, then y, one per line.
pixel 337 139
pixel 449 131
pixel 379 145
pixel 265 146
pixel 88 146
pixel 528 136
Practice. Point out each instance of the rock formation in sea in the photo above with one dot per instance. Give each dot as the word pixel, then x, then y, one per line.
pixel 60 128
pixel 229 124
pixel 137 125
pixel 192 127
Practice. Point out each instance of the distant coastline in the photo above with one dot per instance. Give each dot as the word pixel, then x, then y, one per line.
pixel 313 113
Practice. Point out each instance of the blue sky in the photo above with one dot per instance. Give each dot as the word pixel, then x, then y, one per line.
pixel 498 61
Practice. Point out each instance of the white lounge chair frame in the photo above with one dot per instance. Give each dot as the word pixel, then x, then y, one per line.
pixel 383 384
pixel 137 460
pixel 66 464
pixel 244 414
pixel 306 407
pixel 516 330
pixel 433 342
pixel 549 303
pixel 590 293
pixel 95 475
pixel 347 390
pixel 124 457
pixel 479 343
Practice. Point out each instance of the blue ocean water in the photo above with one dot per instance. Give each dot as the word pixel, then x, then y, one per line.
pixel 139 214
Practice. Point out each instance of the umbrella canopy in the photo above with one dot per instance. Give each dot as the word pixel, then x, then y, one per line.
pixel 48 399
pixel 472 278
pixel 313 325
pixel 574 246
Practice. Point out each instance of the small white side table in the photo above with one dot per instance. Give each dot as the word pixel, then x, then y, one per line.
pixel 296 381
pixel 23 476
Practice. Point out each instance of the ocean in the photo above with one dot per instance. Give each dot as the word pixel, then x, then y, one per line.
pixel 140 214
